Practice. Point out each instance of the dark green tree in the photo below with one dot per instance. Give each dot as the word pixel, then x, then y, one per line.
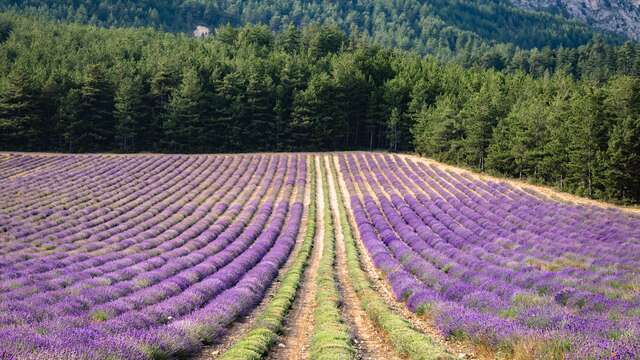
pixel 325 40
pixel 314 122
pixel 132 115
pixel 184 128
pixel 392 129
pixel 90 127
pixel 21 124
pixel 259 112
pixel 439 132
pixel 588 142
pixel 480 114
pixel 517 147
pixel 290 40
pixel 162 85
pixel 623 171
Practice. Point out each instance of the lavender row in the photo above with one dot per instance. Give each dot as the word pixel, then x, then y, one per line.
pixel 466 259
pixel 144 270
pixel 146 276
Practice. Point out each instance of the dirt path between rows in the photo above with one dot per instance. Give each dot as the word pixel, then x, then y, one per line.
pixel 294 342
pixel 380 285
pixel 243 325
pixel 371 343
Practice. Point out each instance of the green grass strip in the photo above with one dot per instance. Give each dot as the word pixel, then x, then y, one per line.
pixel 330 338
pixel 406 340
pixel 257 342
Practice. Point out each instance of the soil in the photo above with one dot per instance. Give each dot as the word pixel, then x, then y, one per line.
pixel 371 343
pixel 294 342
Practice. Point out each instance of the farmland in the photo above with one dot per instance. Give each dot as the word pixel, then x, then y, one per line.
pixel 305 255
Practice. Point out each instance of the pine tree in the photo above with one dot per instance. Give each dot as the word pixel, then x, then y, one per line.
pixel 94 128
pixel 351 125
pixel 290 82
pixel 517 147
pixel 623 171
pixel 375 120
pixel 625 56
pixel 302 122
pixel 621 108
pixel 314 115
pixel 49 110
pixel 163 84
pixel 184 127
pixel 325 40
pixel 588 142
pixel 131 115
pixel 397 95
pixel 554 164
pixel 290 39
pixel 226 34
pixel 20 123
pixel 438 130
pixel 392 129
pixel 232 119
pixel 259 133
pixel 480 114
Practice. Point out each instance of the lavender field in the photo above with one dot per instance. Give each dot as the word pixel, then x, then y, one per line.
pixel 161 256
pixel 497 265
pixel 119 257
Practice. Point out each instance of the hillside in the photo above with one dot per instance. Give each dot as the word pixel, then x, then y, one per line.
pixel 487 33
pixel 437 26
pixel 619 16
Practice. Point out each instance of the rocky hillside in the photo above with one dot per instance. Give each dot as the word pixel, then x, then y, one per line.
pixel 620 16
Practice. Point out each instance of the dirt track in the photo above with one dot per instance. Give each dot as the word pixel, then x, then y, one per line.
pixel 371 343
pixel 294 342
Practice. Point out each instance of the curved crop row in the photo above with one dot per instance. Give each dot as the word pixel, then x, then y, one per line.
pixel 497 265
pixel 257 342
pixel 154 256
pixel 405 339
pixel 155 260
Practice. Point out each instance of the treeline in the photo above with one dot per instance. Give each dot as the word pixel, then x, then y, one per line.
pixel 78 88
pixel 578 136
pixel 596 60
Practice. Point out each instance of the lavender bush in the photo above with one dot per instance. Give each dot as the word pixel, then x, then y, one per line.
pixel 499 265
pixel 138 256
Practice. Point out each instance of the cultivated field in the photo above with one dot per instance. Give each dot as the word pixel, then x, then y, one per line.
pixel 305 256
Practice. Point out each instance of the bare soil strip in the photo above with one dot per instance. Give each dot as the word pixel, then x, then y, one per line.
pixel 294 342
pixel 382 287
pixel 241 326
pixel 371 343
